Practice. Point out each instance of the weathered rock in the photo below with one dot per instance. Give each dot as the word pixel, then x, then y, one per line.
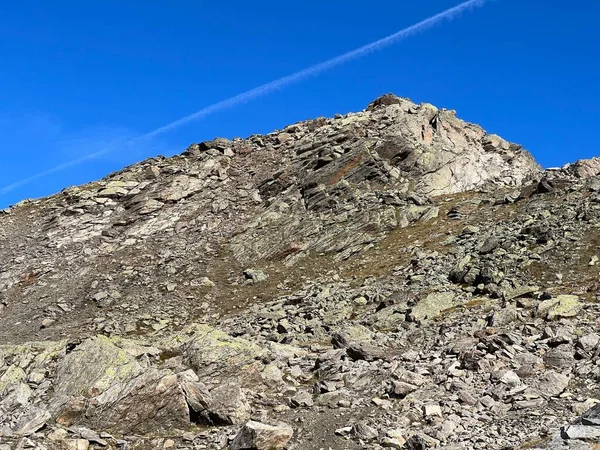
pixel 151 401
pixel 357 341
pixel 402 389
pixel 210 351
pixel 302 399
pixel 432 409
pixel 258 436
pixel 433 305
pixel 255 276
pixel 553 383
pixel 31 421
pixel 76 444
pixel 581 432
pixel 561 306
pixel 229 405
pixel 12 376
pixel 364 431
pixel 94 366
pixel 560 357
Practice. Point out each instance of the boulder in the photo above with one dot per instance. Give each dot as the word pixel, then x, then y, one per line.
pixel 148 403
pixel 432 306
pixel 258 436
pixel 561 306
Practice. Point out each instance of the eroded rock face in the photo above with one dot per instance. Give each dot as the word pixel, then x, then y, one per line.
pixel 314 277
pixel 150 402
pixel 211 352
pixel 94 366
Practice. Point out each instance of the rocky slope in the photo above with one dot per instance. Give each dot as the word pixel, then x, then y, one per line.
pixel 394 278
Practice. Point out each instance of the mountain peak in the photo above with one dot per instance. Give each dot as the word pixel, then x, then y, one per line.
pixel 397 265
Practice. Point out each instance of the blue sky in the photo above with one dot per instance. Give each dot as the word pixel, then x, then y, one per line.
pixel 78 76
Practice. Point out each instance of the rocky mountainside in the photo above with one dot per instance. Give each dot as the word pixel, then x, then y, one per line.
pixel 393 278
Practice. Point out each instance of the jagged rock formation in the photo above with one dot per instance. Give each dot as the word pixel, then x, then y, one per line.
pixel 394 278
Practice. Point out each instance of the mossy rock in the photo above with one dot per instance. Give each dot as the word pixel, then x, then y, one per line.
pixel 433 305
pixel 94 366
pixel 561 306
pixel 13 375
pixel 211 351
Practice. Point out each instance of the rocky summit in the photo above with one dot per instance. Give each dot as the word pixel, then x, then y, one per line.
pixel 395 278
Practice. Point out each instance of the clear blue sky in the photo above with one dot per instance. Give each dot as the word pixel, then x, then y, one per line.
pixel 76 75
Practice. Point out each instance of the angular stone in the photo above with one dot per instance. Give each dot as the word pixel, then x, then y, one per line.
pixel 206 282
pixel 94 366
pixel 432 306
pixel 229 405
pixel 432 409
pixel 561 306
pixel 589 342
pixel 560 357
pixel 147 403
pixel 552 383
pixel 31 421
pixel 60 434
pixel 357 341
pixel 520 292
pixel 11 377
pixel 302 399
pixel 75 444
pixel 364 431
pixel 581 432
pixel 18 396
pixel 402 389
pixel 466 397
pixel 255 276
pixel 258 436
pixel 212 352
pixel 397 443
pixel 510 378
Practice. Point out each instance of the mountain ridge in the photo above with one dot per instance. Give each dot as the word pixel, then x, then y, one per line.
pixel 381 279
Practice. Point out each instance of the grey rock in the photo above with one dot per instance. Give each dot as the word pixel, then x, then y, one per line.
pixel 589 342
pixel 255 276
pixel 402 389
pixel 581 432
pixel 433 305
pixel 553 383
pixel 560 357
pixel 153 400
pixel 357 341
pixel 94 366
pixel 364 431
pixel 561 306
pixel 31 421
pixel 429 254
pixel 302 399
pixel 259 436
pixel 229 405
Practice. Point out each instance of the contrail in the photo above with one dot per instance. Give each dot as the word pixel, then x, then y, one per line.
pixel 267 88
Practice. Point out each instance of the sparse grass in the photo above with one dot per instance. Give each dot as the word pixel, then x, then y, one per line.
pixel 472 304
pixel 578 276
pixel 391 251
pixel 535 443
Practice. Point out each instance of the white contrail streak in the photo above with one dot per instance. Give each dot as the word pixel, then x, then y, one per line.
pixel 265 89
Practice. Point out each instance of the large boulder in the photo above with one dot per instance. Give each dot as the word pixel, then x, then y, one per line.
pixel 212 352
pixel 94 366
pixel 150 402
